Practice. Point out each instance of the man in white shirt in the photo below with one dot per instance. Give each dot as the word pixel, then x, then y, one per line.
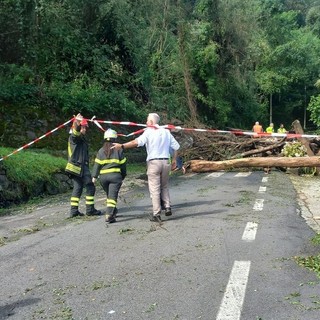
pixel 158 142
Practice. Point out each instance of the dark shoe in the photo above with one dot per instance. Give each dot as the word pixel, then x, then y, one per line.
pixel 168 212
pixel 110 218
pixel 115 211
pixel 94 212
pixel 76 214
pixel 155 217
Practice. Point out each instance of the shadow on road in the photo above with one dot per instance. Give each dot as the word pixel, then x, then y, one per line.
pixel 7 310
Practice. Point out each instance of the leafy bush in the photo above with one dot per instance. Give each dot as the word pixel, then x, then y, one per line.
pixel 294 149
pixel 314 108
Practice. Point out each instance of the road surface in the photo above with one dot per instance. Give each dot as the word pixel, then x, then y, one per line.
pixel 227 253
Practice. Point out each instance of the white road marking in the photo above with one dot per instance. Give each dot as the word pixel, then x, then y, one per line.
pixel 243 174
pixel 250 231
pixel 231 305
pixel 258 205
pixel 262 189
pixel 265 179
pixel 215 174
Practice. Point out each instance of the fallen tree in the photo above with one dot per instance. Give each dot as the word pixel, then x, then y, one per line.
pixel 295 162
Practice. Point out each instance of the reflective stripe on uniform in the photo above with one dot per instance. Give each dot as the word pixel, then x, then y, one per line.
pixel 110 170
pixel 75 132
pixel 74 201
pixel 111 203
pixel 89 200
pixel 72 168
pixel 109 161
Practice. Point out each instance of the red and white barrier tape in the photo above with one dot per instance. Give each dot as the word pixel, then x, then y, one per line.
pixel 236 132
pixel 168 126
pixel 36 140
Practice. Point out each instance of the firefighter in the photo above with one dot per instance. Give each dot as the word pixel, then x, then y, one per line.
pixel 78 168
pixel 110 167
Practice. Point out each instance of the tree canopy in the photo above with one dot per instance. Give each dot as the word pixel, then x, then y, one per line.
pixel 210 62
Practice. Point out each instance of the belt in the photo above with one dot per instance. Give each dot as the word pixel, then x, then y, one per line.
pixel 159 159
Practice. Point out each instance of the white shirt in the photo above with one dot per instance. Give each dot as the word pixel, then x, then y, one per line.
pixel 158 142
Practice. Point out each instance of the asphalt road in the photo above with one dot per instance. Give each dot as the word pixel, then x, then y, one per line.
pixel 226 254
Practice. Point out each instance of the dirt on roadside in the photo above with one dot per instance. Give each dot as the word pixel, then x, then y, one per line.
pixel 308 192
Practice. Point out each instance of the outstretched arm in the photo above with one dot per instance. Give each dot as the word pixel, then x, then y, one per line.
pixel 128 145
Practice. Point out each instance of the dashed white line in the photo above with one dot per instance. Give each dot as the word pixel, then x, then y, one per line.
pixel 243 174
pixel 250 231
pixel 258 205
pixel 265 179
pixel 262 189
pixel 215 174
pixel 231 305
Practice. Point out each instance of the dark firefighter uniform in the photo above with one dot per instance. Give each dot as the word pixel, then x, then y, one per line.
pixel 78 168
pixel 111 172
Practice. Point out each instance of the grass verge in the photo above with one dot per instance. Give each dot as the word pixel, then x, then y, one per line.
pixel 312 262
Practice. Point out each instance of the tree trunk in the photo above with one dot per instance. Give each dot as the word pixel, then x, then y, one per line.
pixel 298 129
pixel 186 69
pixel 209 166
pixel 260 150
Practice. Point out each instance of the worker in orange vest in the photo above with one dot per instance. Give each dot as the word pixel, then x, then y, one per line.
pixel 257 128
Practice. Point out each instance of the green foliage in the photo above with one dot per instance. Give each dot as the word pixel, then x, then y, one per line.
pixel 314 108
pixel 122 58
pixel 16 84
pixel 316 239
pixel 313 20
pixel 28 168
pixel 312 262
pixel 134 168
pixel 294 149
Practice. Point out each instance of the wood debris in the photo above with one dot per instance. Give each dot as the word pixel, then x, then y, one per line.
pixel 225 151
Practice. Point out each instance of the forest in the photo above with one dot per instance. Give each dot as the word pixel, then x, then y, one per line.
pixel 202 63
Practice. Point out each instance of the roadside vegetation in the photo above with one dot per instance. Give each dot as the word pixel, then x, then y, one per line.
pixel 212 63
pixel 312 262
pixel 29 175
pixel 27 168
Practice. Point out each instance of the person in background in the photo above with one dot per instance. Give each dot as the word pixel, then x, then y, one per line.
pixel 179 163
pixel 257 128
pixel 270 129
pixel 78 168
pixel 158 142
pixel 110 167
pixel 282 129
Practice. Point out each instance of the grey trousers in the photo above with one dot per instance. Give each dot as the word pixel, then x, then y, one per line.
pixel 79 183
pixel 158 181
pixel 111 184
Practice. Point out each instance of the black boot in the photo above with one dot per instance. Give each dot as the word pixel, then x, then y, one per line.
pixel 74 212
pixel 92 211
pixel 110 218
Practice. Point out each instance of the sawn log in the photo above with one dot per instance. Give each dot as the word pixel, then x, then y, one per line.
pixel 209 166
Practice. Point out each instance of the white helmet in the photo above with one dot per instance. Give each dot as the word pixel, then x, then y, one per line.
pixel 110 134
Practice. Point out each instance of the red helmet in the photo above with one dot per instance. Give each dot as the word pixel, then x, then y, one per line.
pixel 84 123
